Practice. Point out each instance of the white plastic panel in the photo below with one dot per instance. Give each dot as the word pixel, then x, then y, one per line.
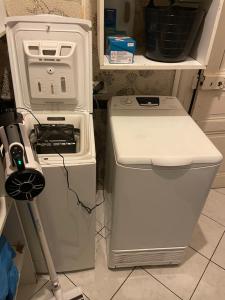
pixel 51 62
pixel 158 136
pixel 51 66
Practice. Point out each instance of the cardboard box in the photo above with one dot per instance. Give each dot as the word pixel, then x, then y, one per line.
pixel 120 50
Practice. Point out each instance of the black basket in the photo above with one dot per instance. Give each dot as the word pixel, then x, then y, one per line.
pixel 171 31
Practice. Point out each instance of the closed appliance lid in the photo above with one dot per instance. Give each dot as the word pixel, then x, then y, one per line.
pixel 159 137
pixel 51 62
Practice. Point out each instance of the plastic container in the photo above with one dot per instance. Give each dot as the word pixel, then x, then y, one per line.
pixel 171 31
pixel 124 14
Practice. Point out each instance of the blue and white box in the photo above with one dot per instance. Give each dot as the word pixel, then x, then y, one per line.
pixel 120 50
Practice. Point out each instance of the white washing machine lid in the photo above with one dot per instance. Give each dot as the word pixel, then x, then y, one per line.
pixel 159 137
pixel 51 62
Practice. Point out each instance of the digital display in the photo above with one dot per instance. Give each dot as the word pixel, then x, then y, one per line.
pixel 148 101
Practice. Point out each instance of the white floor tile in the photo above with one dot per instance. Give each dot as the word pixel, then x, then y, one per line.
pixel 105 232
pixel 141 286
pixel 221 190
pixel 45 292
pixel 219 256
pixel 97 239
pixel 182 279
pixel 27 291
pixel 100 283
pixel 212 285
pixel 100 209
pixel 206 236
pixel 215 207
pixel 98 226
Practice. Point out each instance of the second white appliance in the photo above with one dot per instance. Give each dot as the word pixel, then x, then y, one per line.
pixel 160 167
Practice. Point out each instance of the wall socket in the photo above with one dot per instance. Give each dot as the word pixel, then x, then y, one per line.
pixel 213 82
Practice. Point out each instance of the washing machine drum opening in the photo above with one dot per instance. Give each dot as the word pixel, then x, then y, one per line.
pixel 25 184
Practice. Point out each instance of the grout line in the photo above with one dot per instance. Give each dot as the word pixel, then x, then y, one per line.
pixel 200 280
pixel 213 219
pixel 207 265
pixel 199 252
pixel 217 265
pixel 161 283
pixel 101 235
pixel 221 193
pixel 122 283
pixel 104 235
pixel 98 232
pixel 39 289
pixel 76 286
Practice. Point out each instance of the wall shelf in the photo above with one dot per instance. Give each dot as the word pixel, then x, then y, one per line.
pixel 142 63
pixel 200 53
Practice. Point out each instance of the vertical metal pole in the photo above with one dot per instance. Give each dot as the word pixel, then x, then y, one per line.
pixel 43 241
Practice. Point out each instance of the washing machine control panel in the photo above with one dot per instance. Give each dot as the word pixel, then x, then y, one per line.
pixel 148 101
pixel 145 103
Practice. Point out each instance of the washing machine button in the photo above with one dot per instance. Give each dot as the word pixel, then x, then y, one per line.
pixel 126 101
pixel 129 101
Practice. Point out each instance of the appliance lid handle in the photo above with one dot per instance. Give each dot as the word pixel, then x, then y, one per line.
pixel 171 161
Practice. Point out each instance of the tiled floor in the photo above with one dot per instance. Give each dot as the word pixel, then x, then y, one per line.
pixel 200 277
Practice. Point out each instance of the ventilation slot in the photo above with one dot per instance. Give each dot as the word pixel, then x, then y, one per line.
pixel 52 89
pixel 147 257
pixel 39 87
pixel 49 52
pixel 34 50
pixel 63 84
pixel 65 50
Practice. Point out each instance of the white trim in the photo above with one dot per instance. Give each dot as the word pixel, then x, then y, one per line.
pixel 176 83
pixel 2 18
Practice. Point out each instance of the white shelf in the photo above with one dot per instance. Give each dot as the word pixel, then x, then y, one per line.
pixel 5 205
pixel 142 63
pixel 199 55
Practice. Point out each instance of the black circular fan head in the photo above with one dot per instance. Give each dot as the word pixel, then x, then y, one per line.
pixel 25 184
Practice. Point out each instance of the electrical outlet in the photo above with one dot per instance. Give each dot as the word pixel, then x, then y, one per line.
pixel 213 82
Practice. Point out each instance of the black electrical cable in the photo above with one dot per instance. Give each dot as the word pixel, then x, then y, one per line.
pixel 88 209
pixel 30 113
pixel 79 202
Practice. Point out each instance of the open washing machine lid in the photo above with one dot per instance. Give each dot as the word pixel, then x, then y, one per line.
pixel 163 136
pixel 51 62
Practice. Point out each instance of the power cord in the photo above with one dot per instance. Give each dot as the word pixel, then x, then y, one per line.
pixel 30 112
pixel 79 202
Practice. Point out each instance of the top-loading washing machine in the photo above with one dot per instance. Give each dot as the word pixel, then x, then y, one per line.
pixel 51 64
pixel 159 169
